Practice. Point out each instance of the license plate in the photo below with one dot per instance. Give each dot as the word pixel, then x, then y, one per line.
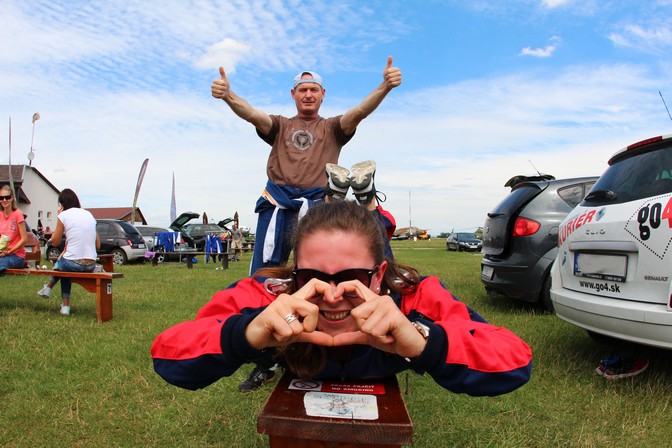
pixel 605 267
pixel 487 272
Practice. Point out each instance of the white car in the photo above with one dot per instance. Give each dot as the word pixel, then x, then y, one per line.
pixel 613 272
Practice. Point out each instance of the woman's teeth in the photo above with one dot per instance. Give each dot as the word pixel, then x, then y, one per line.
pixel 335 316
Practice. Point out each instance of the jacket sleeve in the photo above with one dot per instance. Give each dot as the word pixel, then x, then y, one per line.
pixel 464 353
pixel 196 353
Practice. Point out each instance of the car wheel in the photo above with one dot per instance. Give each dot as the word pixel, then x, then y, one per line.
pixel 459 249
pixel 545 295
pixel 119 257
pixel 53 253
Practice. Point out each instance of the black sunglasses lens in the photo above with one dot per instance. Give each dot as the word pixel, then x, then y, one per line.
pixel 303 276
pixel 5 198
pixel 353 274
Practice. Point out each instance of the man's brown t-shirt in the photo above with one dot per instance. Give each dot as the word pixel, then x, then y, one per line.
pixel 301 147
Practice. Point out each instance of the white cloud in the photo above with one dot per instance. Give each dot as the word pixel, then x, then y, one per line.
pixel 555 3
pixel 545 52
pixel 657 38
pixel 226 53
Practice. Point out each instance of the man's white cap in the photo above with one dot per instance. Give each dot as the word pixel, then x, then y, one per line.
pixel 316 79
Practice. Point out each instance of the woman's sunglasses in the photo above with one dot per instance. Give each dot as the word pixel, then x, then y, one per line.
pixel 5 198
pixel 303 276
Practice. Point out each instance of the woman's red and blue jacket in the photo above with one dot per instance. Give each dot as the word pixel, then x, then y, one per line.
pixel 464 353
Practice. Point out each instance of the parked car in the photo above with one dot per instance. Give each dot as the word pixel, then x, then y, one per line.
pixel 520 236
pixel 463 241
pixel 613 273
pixel 195 233
pixel 121 239
pixel 150 235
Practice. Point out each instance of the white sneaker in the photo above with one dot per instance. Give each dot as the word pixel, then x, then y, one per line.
pixel 338 181
pixel 362 181
pixel 45 292
pixel 65 310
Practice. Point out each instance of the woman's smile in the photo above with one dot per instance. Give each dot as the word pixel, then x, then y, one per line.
pixel 334 315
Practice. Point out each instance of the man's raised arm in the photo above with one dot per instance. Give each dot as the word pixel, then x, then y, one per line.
pixel 221 88
pixel 352 118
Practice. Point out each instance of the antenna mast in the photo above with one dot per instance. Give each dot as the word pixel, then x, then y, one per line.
pixel 668 110
pixel 535 168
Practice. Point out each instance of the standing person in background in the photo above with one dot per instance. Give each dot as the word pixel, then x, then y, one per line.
pixel 13 234
pixel 236 242
pixel 79 255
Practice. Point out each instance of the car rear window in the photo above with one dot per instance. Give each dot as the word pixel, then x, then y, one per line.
pixel 573 194
pixel 639 176
pixel 514 200
pixel 128 228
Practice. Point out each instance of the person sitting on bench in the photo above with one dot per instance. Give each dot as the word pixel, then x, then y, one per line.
pixel 12 231
pixel 82 241
pixel 343 311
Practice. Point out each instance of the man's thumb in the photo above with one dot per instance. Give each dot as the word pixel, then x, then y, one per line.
pixel 221 73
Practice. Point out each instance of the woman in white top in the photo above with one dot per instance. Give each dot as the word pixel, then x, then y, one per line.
pixel 79 255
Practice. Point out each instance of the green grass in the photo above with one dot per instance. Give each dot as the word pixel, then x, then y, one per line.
pixel 69 381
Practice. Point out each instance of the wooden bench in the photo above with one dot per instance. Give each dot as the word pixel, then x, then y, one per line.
pixel 286 423
pixel 99 283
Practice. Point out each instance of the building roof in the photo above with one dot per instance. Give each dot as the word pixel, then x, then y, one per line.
pixel 123 213
pixel 17 173
pixel 18 176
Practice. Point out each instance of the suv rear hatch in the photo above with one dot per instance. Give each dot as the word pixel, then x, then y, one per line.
pixel 498 226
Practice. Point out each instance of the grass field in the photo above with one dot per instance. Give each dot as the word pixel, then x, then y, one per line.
pixel 71 382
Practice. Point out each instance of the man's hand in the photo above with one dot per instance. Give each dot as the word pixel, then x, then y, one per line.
pixel 391 75
pixel 221 87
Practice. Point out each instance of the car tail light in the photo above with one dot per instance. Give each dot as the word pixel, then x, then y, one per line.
pixel 525 227
pixel 645 142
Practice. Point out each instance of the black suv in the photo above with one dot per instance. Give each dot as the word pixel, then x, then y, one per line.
pixel 520 235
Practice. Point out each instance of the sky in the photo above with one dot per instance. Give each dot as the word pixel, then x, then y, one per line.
pixel 490 90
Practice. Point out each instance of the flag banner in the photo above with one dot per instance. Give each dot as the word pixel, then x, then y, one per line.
pixel 173 206
pixel 141 176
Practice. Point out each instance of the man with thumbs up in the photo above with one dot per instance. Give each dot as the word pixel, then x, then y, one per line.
pixel 302 147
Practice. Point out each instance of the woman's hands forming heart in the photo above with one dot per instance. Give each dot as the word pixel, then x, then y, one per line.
pixel 376 320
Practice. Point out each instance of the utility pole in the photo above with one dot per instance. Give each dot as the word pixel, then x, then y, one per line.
pixel 410 226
